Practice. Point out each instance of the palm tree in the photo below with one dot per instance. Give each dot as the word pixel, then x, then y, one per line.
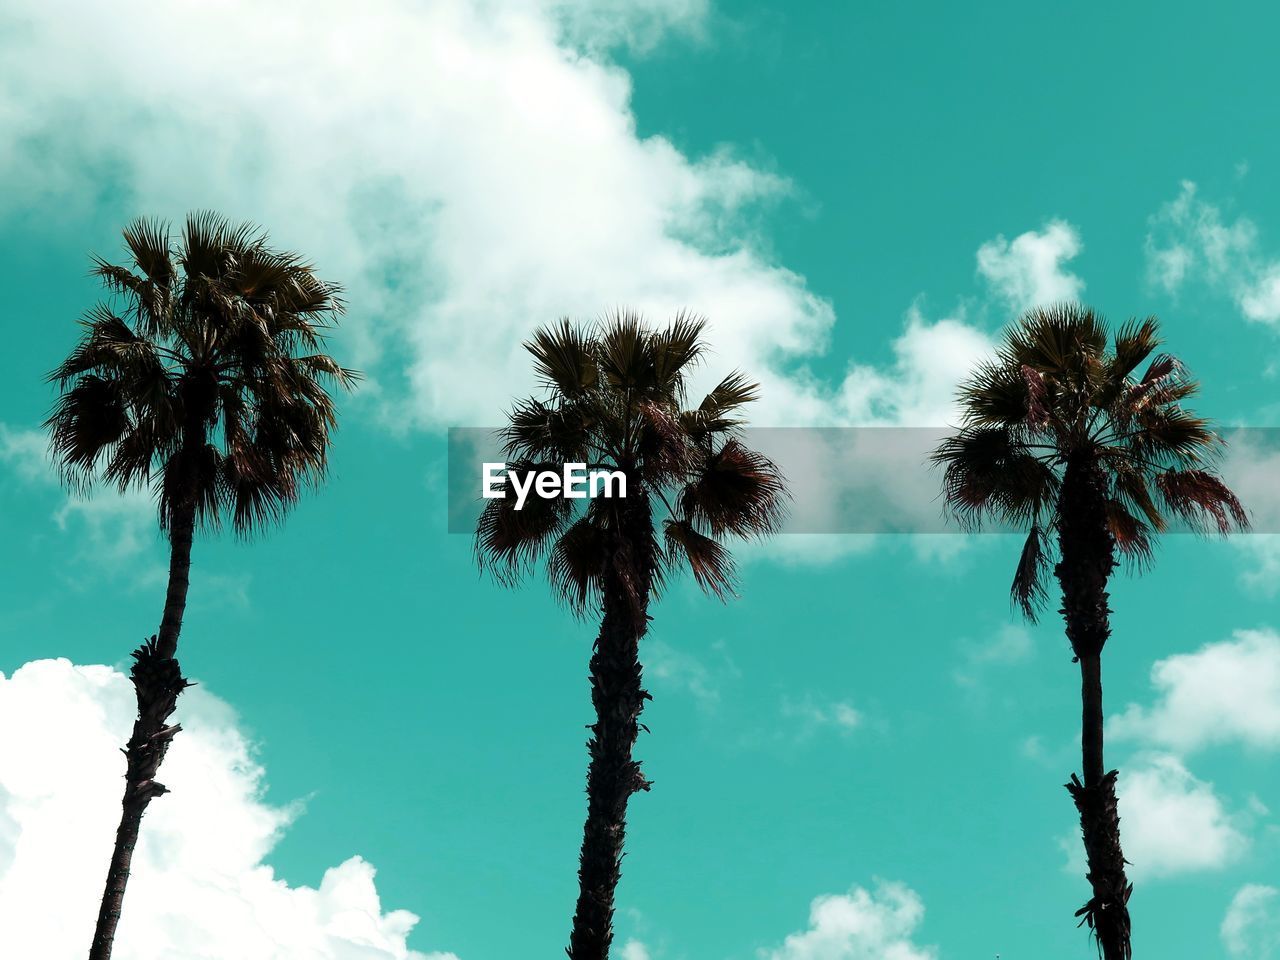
pixel 616 400
pixel 1062 436
pixel 203 375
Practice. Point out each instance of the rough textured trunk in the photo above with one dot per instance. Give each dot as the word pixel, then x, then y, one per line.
pixel 157 682
pixel 1088 557
pixel 616 692
pixel 181 533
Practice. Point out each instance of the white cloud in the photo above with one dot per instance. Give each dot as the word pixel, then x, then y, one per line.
pixel 200 887
pixel 465 167
pixel 805 549
pixel 1250 467
pixel 25 452
pixel 1190 239
pixel 679 670
pixel 108 526
pixel 470 169
pixel 462 166
pixel 813 715
pixel 1010 644
pixel 109 533
pixel 859 925
pixel 872 482
pixel 849 485
pixel 919 388
pixel 1028 270
pixel 114 526
pixel 1262 569
pixel 1251 928
pixel 635 950
pixel 1173 823
pixel 1225 692
pixel 639 24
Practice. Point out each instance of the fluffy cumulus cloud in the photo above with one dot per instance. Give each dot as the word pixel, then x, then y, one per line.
pixel 1190 239
pixel 918 388
pixel 859 925
pixel 469 168
pixel 1225 692
pixel 1251 927
pixel 1029 270
pixel 1174 823
pixel 466 167
pixel 201 888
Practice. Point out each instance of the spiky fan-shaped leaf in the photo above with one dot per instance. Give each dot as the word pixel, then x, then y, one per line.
pixel 202 374
pixel 615 399
pixel 1057 389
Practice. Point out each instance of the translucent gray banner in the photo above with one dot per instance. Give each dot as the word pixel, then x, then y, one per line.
pixel 874 480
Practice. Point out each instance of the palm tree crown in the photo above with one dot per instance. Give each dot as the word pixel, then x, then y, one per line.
pixel 204 373
pixel 616 398
pixel 1059 391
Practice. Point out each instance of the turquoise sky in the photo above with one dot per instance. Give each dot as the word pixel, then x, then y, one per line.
pixel 866 710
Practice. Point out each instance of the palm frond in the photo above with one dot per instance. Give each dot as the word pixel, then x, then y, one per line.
pixel 615 400
pixel 716 414
pixel 564 359
pixel 626 353
pixel 1133 343
pixel 211 336
pixel 989 473
pixel 995 396
pixel 510 540
pixel 1131 534
pixel 1056 393
pixel 1202 499
pixel 1028 591
pixel 151 248
pixel 536 430
pixel 88 420
pixel 203 247
pixel 737 491
pixel 710 562
pixel 675 348
pixel 576 563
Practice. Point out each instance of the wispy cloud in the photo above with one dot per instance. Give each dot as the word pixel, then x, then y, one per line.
pixel 26 453
pixel 1010 644
pixel 682 671
pixel 811 715
pixel 1191 239
pixel 1251 928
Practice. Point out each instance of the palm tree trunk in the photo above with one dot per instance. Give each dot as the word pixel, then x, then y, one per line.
pixel 1088 557
pixel 157 682
pixel 612 775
